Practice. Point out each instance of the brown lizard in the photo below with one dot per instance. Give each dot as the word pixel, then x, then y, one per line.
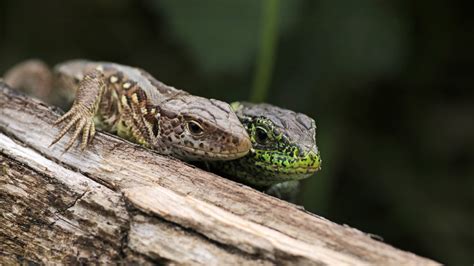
pixel 131 103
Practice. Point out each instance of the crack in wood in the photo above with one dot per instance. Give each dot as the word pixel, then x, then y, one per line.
pixel 173 213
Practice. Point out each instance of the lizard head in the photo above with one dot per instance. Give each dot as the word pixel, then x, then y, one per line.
pixel 283 145
pixel 197 128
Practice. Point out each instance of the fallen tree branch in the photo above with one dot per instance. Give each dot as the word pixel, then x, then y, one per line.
pixel 118 202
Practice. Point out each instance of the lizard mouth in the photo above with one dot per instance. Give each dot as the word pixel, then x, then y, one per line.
pixel 207 155
pixel 292 167
pixel 290 170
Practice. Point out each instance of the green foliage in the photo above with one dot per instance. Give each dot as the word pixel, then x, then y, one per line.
pixel 267 50
pixel 221 36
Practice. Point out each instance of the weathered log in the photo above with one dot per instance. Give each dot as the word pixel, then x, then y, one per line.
pixel 118 202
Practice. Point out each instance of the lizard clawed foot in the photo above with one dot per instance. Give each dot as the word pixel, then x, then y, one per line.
pixel 83 120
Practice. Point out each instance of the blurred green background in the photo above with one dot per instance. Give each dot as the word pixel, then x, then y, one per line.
pixel 389 83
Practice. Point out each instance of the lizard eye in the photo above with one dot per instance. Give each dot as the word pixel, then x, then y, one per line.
pixel 261 135
pixel 194 128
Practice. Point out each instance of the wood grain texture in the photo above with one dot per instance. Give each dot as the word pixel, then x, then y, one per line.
pixel 118 202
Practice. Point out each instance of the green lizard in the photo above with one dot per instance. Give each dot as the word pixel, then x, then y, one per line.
pixel 131 103
pixel 283 149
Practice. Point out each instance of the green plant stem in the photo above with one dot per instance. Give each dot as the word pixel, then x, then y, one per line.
pixel 266 54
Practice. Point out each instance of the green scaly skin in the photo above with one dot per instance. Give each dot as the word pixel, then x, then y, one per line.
pixel 283 150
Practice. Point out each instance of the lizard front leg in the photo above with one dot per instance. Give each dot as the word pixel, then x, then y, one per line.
pixel 287 190
pixel 85 106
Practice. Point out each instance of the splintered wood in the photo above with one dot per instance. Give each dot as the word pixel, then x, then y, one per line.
pixel 117 202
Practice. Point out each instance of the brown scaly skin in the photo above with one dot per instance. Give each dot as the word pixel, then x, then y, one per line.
pixel 130 102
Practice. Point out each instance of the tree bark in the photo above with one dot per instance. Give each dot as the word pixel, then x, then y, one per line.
pixel 118 202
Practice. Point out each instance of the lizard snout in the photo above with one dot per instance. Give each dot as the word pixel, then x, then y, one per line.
pixel 237 146
pixel 244 145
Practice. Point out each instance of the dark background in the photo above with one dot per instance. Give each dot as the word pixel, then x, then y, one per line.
pixel 389 83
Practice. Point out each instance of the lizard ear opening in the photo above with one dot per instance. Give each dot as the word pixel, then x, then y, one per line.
pixel 156 129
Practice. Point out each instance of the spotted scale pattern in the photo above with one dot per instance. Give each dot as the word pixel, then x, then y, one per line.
pixel 138 107
pixel 283 146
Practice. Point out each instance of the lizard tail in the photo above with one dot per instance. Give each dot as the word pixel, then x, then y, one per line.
pixel 33 77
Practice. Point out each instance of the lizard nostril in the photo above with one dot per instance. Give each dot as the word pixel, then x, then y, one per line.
pixel 301 153
pixel 235 140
